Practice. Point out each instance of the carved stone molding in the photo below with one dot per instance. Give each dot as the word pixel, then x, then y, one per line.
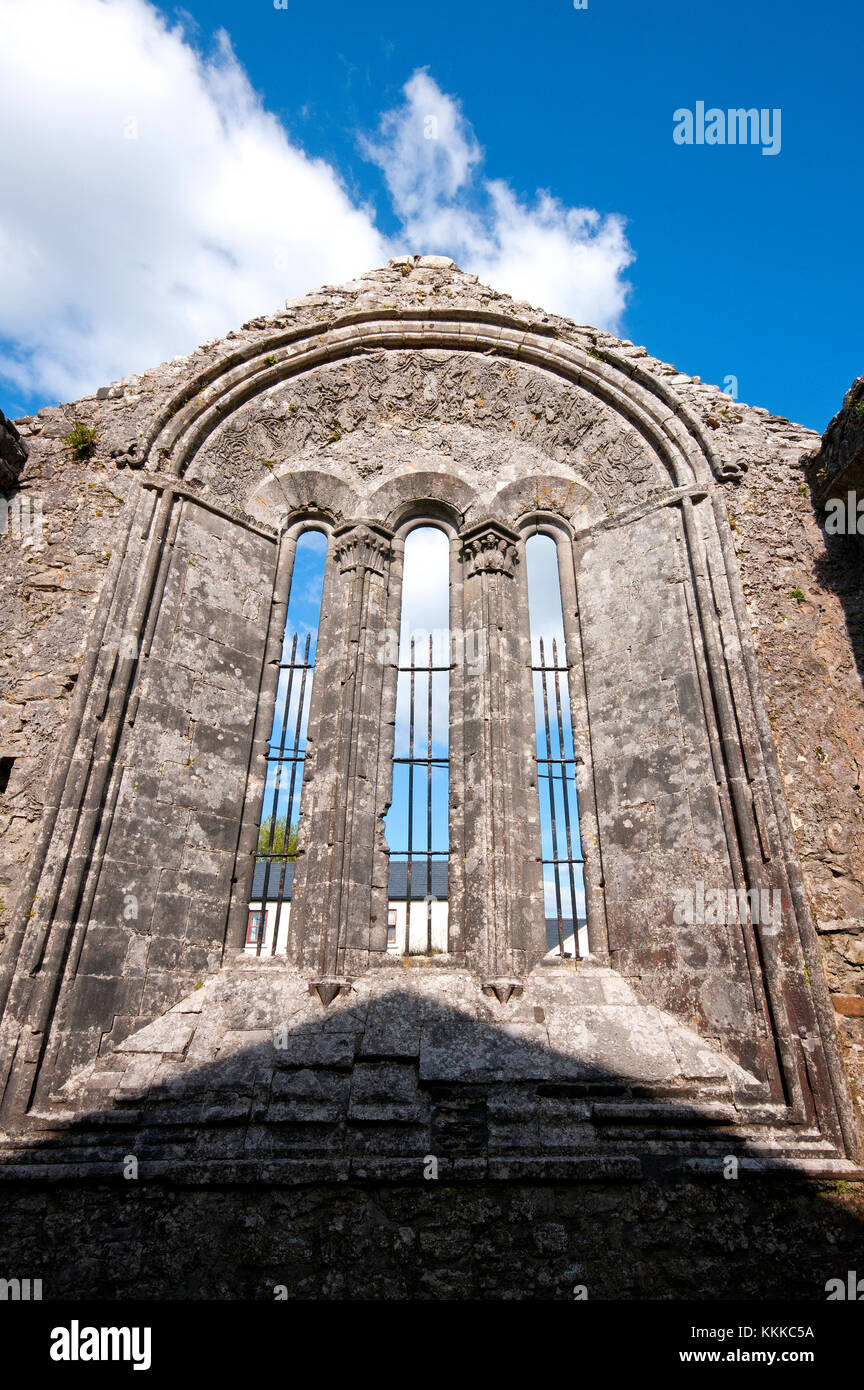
pixel 490 548
pixel 362 547
pixel 341 413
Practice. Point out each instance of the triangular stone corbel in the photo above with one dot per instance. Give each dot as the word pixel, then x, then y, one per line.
pixel 328 987
pixel 504 989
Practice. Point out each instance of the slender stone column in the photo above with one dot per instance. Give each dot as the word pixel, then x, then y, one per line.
pixel 589 831
pixel 238 913
pixel 339 907
pixel 504 921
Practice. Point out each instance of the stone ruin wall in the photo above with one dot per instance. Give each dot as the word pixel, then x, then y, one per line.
pixel 803 592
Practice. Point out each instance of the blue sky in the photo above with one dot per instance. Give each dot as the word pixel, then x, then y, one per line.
pixel 744 262
pixel 726 261
pixel 288 735
pixel 560 841
pixel 425 614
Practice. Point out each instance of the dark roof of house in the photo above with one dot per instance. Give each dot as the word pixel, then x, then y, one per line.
pixel 267 879
pixel 398 882
pixel 552 942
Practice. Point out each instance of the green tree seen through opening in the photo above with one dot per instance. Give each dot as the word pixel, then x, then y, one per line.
pixel 284 845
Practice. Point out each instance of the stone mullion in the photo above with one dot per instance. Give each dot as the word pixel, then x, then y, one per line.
pixel 499 935
pixel 527 887
pixel 589 829
pixel 331 920
pixel 360 902
pixel 525 942
pixel 313 871
pixel 500 767
pixel 459 680
pixel 388 657
pixel 477 790
pixel 492 781
pixel 238 915
pixel 344 806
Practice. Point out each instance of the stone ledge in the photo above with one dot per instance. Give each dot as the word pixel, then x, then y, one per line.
pixel 458 1170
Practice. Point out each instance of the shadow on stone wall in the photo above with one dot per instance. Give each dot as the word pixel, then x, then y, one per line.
pixel 834 471
pixel 13 454
pixel 841 571
pixel 305 1166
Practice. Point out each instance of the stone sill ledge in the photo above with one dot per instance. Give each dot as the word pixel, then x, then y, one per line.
pixel 311 1172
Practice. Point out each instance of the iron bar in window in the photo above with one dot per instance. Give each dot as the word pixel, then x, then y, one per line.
pixel 556 766
pixel 425 766
pixel 285 761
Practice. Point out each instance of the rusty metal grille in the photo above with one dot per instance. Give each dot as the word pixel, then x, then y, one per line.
pixel 286 756
pixel 422 787
pixel 556 781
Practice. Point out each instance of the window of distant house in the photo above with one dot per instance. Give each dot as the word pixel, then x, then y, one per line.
pixel 257 928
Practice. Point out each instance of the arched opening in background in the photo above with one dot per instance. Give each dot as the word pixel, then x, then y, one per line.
pixel 563 862
pixel 417 824
pixel 273 879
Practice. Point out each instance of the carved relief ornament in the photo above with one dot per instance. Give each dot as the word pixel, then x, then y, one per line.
pixel 490 548
pixel 361 547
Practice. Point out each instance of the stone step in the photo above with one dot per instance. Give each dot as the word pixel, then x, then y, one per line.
pixel 646 1112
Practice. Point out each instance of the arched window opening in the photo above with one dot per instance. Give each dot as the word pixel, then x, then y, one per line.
pixel 272 883
pixel 417 825
pixel 563 862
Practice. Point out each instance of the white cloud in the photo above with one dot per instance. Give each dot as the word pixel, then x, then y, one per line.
pixel 150 202
pixel 570 260
pixel 426 583
pixel 426 150
pixel 544 596
pixel 117 252
pixel 550 896
pixel 425 612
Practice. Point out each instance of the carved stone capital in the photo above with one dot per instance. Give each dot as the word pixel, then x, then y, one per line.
pixel 490 548
pixel 362 547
